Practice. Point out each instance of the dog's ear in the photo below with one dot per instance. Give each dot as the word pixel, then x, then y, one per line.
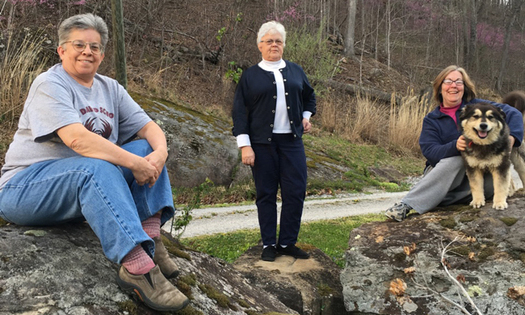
pixel 501 112
pixel 464 111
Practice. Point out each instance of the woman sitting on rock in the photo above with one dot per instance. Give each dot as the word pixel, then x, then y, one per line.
pixel 71 160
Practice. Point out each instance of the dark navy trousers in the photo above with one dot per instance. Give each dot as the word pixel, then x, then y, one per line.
pixel 282 163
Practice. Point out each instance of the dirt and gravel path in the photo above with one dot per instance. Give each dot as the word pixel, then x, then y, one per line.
pixel 228 219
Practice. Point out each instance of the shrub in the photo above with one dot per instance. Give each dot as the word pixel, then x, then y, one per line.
pixel 311 52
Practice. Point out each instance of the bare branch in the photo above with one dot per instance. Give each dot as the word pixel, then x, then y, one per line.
pixel 426 287
pixel 454 280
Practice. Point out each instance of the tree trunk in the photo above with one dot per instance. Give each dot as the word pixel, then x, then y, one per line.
pixel 350 32
pixel 466 34
pixel 118 42
pixel 473 39
pixel 388 33
pixel 514 8
pixel 429 34
pixel 470 25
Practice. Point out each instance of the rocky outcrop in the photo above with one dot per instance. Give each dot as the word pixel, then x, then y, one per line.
pixel 308 286
pixel 62 270
pixel 455 260
pixel 200 146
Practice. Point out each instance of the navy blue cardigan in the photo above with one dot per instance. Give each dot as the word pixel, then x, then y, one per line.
pixel 440 133
pixel 256 97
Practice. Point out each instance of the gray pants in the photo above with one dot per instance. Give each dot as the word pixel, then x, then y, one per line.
pixel 444 185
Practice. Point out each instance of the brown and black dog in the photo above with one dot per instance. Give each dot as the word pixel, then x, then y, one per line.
pixel 488 150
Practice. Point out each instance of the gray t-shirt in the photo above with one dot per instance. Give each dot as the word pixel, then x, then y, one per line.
pixel 56 100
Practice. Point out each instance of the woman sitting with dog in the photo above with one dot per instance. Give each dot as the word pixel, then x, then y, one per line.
pixel 445 181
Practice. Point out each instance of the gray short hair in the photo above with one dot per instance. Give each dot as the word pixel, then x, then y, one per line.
pixel 271 27
pixel 86 21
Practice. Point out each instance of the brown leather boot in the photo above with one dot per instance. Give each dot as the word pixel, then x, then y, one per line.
pixel 153 289
pixel 162 259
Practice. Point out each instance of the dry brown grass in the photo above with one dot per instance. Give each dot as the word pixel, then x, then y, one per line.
pixel 21 63
pixel 406 121
pixel 361 119
pixel 354 118
pixel 365 120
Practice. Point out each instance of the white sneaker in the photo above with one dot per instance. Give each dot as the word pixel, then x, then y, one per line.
pixel 398 211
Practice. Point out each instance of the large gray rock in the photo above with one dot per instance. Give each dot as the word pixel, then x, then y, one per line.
pixel 62 270
pixel 200 146
pixel 396 267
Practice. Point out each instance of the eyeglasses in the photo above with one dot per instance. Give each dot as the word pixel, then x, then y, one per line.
pixel 278 42
pixel 80 46
pixel 449 82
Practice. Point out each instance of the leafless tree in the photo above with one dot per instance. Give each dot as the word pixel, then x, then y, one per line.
pixel 514 8
pixel 350 31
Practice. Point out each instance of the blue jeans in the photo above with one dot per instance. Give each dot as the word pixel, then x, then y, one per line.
pixel 80 188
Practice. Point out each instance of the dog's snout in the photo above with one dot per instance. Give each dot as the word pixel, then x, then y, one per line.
pixel 483 126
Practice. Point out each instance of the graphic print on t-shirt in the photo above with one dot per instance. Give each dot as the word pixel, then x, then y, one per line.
pixel 102 128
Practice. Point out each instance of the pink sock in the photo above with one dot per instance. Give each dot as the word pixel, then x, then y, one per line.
pixel 152 225
pixel 137 261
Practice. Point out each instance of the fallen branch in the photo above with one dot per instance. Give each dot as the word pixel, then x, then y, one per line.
pixel 427 287
pixel 455 281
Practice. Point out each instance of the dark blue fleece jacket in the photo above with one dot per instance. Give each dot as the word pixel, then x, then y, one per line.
pixel 256 96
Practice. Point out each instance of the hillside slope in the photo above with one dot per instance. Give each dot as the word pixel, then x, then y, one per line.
pixel 182 52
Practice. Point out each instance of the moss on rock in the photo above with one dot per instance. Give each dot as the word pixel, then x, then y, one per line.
pixel 509 221
pixel 448 223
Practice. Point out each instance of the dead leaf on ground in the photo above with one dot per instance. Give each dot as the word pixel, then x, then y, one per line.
pixel 397 287
pixel 516 292
pixel 409 270
pixel 409 249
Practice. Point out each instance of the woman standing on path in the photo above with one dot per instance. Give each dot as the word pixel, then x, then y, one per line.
pixel 272 108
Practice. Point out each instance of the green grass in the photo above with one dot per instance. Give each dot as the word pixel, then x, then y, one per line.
pixel 330 236
pixel 227 246
pixel 362 156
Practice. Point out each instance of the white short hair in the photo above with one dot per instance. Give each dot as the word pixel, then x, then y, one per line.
pixel 271 27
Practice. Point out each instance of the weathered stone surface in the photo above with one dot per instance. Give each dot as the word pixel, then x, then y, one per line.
pixel 308 286
pixel 485 254
pixel 62 270
pixel 200 145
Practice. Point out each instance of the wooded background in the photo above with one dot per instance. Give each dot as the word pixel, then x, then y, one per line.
pixel 415 37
